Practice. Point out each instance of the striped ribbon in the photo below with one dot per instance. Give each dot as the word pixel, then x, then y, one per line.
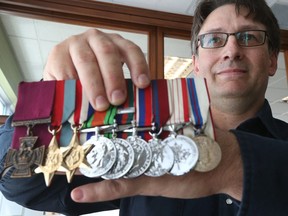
pixel 126 118
pixel 80 114
pixel 98 119
pixel 199 101
pixel 178 101
pixel 82 111
pixel 143 109
pixel 64 105
pixel 129 102
pixel 64 102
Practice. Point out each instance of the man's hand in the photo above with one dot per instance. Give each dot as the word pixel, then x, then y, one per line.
pixel 191 185
pixel 96 58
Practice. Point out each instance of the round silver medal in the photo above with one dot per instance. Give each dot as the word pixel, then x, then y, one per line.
pixel 209 153
pixel 142 156
pixel 185 152
pixel 162 158
pixel 124 161
pixel 101 158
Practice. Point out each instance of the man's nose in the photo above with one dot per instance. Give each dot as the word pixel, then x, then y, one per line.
pixel 232 50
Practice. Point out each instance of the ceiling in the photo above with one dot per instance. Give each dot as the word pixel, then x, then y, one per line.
pixel 31 40
pixel 279 7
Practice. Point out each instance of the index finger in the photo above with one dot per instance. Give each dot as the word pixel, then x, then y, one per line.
pixel 135 59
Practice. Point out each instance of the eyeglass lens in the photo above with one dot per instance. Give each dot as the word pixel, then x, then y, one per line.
pixel 244 38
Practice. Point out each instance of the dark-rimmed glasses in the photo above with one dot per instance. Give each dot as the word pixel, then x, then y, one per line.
pixel 249 38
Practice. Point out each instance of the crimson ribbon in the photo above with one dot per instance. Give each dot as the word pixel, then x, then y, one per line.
pixel 35 102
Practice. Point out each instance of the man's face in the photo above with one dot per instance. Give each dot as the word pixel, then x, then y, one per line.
pixel 232 70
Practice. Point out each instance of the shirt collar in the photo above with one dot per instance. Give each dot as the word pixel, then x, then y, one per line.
pixel 275 127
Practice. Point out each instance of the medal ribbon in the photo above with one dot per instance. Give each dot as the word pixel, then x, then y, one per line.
pixel 143 109
pixel 199 101
pixel 34 104
pixel 35 101
pixel 99 119
pixel 64 102
pixel 160 99
pixel 83 110
pixel 126 118
pixel 178 101
pixel 64 105
pixel 143 106
pixel 102 118
pixel 58 105
pixel 81 107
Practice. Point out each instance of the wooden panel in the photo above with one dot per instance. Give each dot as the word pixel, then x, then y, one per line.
pixel 152 53
pixel 3 119
pixel 160 54
pixel 284 40
pixel 91 11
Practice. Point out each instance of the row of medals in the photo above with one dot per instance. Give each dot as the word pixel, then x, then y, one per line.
pixel 131 157
pixel 114 158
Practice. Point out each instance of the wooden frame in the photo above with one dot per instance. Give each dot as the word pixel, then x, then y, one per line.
pixel 3 119
pixel 286 62
pixel 155 24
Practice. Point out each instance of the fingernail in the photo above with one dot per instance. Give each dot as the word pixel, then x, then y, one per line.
pixel 101 103
pixel 117 96
pixel 143 79
pixel 77 194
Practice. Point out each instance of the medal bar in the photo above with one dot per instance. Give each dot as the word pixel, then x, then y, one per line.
pixel 125 141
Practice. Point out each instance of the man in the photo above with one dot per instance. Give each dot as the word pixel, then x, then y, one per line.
pixel 235 44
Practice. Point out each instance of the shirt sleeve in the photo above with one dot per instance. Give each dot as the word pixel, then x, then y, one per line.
pixel 6 133
pixel 265 190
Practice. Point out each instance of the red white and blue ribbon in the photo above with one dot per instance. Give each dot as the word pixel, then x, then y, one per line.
pixel 199 104
pixel 143 109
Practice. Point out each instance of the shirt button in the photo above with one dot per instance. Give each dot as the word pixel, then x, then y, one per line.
pixel 229 201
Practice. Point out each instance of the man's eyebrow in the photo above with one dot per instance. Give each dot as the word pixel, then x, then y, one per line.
pixel 213 30
pixel 250 27
pixel 241 28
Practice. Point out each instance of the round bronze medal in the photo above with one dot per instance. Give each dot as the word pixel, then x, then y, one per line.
pixel 209 153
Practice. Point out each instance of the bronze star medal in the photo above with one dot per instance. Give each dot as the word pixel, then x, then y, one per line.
pixel 74 156
pixel 24 158
pixel 52 162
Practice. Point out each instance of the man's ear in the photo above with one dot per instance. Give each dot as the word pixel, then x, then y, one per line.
pixel 195 65
pixel 273 64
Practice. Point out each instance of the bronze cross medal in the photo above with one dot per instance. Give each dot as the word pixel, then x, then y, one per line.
pixel 25 158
